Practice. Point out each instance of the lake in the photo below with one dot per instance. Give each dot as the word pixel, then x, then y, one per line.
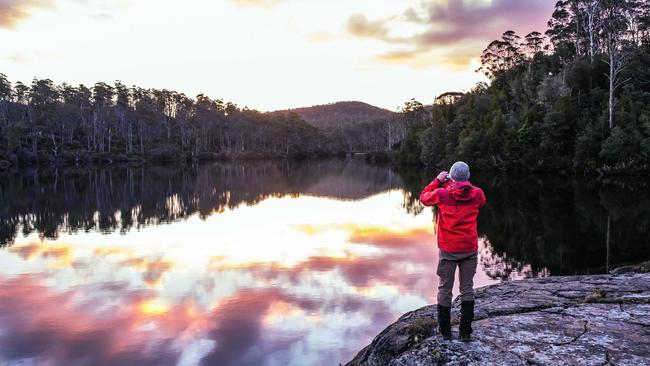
pixel 267 263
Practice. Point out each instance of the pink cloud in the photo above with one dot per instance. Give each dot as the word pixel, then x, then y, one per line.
pixel 453 24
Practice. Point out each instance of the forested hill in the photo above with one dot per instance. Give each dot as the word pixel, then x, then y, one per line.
pixel 44 122
pixel 575 98
pixel 341 114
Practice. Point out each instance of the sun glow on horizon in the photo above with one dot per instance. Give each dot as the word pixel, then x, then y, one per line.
pixel 265 54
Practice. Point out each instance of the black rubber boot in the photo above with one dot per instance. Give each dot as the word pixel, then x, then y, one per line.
pixel 466 318
pixel 444 322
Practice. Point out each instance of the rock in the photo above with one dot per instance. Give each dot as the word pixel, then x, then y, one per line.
pixel 641 268
pixel 575 320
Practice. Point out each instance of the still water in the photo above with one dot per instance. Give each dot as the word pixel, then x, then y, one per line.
pixel 266 263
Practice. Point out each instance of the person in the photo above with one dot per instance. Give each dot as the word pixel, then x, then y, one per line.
pixel 458 203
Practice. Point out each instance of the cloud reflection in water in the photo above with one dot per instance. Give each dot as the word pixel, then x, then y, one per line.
pixel 298 280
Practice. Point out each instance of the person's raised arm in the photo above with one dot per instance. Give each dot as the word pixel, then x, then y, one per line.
pixel 481 199
pixel 428 196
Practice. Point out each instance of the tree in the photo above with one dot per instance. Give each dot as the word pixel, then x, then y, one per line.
pixel 501 55
pixel 43 98
pixel 593 21
pixel 562 31
pixel 123 113
pixel 614 27
pixel 415 117
pixel 534 43
pixel 5 98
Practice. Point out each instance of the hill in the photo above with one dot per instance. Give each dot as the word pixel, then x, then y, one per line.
pixel 340 114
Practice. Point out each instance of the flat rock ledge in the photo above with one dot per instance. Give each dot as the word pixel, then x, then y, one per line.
pixel 574 320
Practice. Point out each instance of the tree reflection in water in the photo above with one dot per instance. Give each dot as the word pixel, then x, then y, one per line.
pixel 49 201
pixel 534 225
pixel 539 225
pixel 331 253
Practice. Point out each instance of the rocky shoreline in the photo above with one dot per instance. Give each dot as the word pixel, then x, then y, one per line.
pixel 572 320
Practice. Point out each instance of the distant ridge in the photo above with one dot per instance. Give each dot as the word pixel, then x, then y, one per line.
pixel 341 114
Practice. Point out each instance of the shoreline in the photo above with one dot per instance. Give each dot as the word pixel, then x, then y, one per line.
pixel 380 158
pixel 108 160
pixel 563 320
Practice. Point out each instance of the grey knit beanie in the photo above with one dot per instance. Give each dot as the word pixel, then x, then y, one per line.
pixel 459 171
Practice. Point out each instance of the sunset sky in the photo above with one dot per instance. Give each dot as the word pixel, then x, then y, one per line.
pixel 264 54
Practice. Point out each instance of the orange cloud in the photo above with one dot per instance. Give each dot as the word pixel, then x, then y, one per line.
pixel 391 239
pixel 152 269
pixel 419 59
pixel 415 247
pixel 107 250
pixel 358 25
pixel 14 11
pixel 321 37
pixel 374 235
pixel 61 254
pixel 28 251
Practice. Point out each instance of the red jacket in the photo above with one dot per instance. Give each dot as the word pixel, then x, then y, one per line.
pixel 458 204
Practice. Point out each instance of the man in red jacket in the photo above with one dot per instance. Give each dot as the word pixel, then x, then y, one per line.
pixel 458 203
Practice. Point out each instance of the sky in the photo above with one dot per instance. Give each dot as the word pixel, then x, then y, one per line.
pixel 263 54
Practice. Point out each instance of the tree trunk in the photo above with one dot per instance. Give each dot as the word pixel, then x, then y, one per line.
pixel 390 137
pixel 610 104
pixel 607 246
pixel 591 37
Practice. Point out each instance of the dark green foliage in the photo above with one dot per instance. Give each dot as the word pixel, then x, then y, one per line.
pixel 50 123
pixel 552 108
pixel 354 127
pixel 415 118
pixel 341 114
pixel 588 147
pixel 621 146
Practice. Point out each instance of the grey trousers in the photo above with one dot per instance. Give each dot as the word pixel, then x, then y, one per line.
pixel 447 263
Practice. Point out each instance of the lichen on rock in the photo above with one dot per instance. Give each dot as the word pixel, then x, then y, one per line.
pixel 573 320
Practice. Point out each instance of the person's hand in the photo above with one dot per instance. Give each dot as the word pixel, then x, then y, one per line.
pixel 442 177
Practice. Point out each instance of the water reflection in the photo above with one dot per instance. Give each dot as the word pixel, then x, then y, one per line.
pixel 291 280
pixel 557 225
pixel 48 201
pixel 264 263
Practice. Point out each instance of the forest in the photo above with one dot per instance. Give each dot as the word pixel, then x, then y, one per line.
pixel 44 122
pixel 48 123
pixel 575 98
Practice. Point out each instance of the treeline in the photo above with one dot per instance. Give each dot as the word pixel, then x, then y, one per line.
pixel 48 122
pixel 576 98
